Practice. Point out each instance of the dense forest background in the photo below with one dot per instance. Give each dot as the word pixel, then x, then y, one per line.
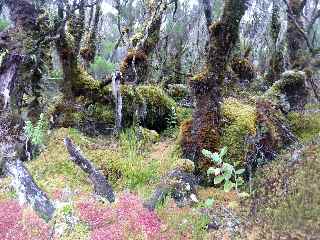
pixel 159 119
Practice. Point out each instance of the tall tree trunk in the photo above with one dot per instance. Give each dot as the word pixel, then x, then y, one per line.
pixel 297 45
pixel 206 88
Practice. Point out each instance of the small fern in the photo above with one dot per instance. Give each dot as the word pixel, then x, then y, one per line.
pixel 36 133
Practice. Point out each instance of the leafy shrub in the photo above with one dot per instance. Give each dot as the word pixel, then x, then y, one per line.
pixel 224 172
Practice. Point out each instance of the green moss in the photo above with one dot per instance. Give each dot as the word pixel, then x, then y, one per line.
pixel 201 76
pixel 178 91
pixel 240 123
pixel 305 125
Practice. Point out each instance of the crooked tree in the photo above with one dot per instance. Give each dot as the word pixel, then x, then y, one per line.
pixel 204 130
pixel 71 29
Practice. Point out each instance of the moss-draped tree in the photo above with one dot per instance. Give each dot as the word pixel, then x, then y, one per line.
pixel 204 131
pixel 135 67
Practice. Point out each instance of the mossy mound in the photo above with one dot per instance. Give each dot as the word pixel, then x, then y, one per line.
pixel 290 91
pixel 178 91
pixel 240 124
pixel 287 196
pixel 148 105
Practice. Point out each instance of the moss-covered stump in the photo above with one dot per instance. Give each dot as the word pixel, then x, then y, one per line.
pixel 290 91
pixel 239 125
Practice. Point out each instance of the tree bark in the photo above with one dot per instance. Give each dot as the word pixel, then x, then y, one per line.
pixel 206 87
pixel 27 190
pixel 297 44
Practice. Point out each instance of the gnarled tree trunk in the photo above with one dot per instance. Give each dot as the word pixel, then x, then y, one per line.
pixel 297 45
pixel 206 88
pixel 134 67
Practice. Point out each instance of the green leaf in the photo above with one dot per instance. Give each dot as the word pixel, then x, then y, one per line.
pixel 218 179
pixel 227 168
pixel 210 171
pixel 243 195
pixel 216 158
pixel 223 152
pixel 215 171
pixel 228 185
pixel 240 171
pixel 240 181
pixel 227 175
pixel 209 203
pixel 207 153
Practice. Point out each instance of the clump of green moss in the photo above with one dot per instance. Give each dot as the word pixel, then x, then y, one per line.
pixel 305 125
pixel 240 124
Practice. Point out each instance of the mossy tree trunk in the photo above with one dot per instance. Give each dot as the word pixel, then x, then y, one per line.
pixel 205 128
pixel 69 46
pixel 276 62
pixel 297 44
pixel 88 53
pixel 21 41
pixel 135 67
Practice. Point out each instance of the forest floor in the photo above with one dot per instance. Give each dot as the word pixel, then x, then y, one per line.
pixel 284 202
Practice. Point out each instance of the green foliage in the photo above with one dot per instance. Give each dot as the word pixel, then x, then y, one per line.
pixel 135 170
pixel 108 46
pixel 224 172
pixel 101 66
pixel 56 73
pixel 36 133
pixel 3 24
pixel 305 125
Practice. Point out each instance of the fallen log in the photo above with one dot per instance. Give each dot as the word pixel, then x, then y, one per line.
pixel 27 190
pixel 99 181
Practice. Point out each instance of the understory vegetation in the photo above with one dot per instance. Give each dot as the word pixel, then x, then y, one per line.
pixel 159 120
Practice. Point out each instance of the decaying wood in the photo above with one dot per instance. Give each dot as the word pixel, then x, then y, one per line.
pixel 12 151
pixel 100 183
